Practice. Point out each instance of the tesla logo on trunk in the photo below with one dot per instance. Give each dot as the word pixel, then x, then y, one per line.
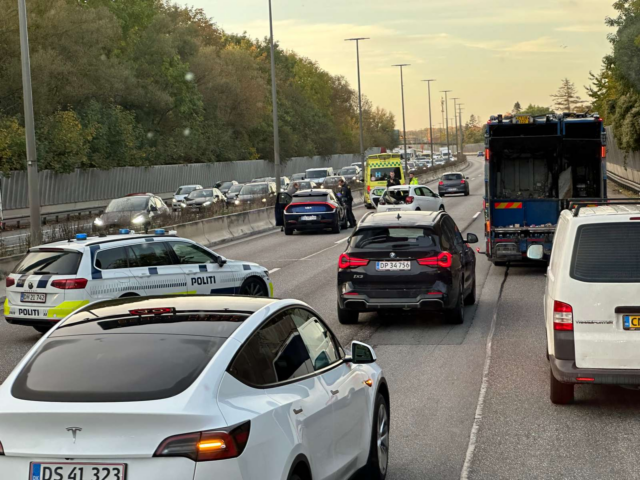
pixel 74 431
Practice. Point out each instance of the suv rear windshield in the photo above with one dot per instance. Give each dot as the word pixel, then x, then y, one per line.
pixel 114 368
pixel 50 262
pixel 394 237
pixel 452 176
pixel 607 253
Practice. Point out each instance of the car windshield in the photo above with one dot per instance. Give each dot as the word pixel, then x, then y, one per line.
pixel 200 194
pixel 331 180
pixel 49 262
pixel 349 171
pixel 127 204
pixel 304 185
pixel 317 173
pixel 393 237
pixel 226 185
pixel 396 196
pixel 254 189
pixel 185 190
pixel 381 174
pixel 235 188
pixel 452 176
pixel 297 176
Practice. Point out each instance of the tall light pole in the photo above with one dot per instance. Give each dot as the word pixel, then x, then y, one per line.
pixel 29 128
pixel 446 106
pixel 455 121
pixel 460 123
pixel 404 127
pixel 274 99
pixel 430 125
pixel 357 40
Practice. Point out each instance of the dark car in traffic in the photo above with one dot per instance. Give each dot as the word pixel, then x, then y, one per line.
pixel 306 185
pixel 407 261
pixel 331 183
pixel 136 211
pixel 256 193
pixel 233 192
pixel 203 198
pixel 314 210
pixel 351 174
pixel 454 182
pixel 224 187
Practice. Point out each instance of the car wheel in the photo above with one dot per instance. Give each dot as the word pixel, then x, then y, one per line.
pixel 466 193
pixel 42 328
pixel 336 228
pixel 441 208
pixel 455 315
pixel 560 393
pixel 417 209
pixel 378 461
pixel 254 287
pixel 470 299
pixel 347 317
pixel 288 231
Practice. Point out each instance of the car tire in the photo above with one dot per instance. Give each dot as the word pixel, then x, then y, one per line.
pixel 378 461
pixel 441 209
pixel 417 209
pixel 559 393
pixel 42 328
pixel 466 193
pixel 455 315
pixel 470 299
pixel 288 231
pixel 347 317
pixel 336 228
pixel 254 287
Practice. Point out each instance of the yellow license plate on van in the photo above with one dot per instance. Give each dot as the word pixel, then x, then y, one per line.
pixel 631 322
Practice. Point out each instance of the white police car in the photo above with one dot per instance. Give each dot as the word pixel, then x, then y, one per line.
pixel 56 279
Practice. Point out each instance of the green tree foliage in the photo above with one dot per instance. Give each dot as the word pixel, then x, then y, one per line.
pixel 517 108
pixel 144 82
pixel 473 131
pixel 566 99
pixel 536 110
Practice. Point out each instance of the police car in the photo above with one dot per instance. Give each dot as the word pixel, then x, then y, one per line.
pixel 56 279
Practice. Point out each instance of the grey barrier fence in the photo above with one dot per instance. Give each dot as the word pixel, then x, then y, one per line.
pixel 625 166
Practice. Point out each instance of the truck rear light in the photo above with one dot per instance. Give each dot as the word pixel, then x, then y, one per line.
pixel 9 282
pixel 562 316
pixel 409 200
pixel 486 154
pixel 345 261
pixel 442 260
pixel 206 446
pixel 70 283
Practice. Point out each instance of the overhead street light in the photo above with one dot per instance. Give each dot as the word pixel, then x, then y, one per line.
pixel 404 127
pixel 357 40
pixel 446 106
pixel 430 125
pixel 274 99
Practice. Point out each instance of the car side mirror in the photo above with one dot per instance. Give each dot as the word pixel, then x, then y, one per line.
pixel 361 354
pixel 535 252
pixel 466 178
pixel 222 261
pixel 471 238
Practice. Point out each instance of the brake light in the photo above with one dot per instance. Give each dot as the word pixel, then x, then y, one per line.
pixel 70 283
pixel 206 446
pixel 442 260
pixel 585 379
pixel 562 316
pixel 333 207
pixel 9 282
pixel 368 188
pixel 603 153
pixel 462 181
pixel 408 200
pixel 152 311
pixel 345 261
pixel 441 183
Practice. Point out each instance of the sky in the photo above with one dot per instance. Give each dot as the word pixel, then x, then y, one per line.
pixel 490 53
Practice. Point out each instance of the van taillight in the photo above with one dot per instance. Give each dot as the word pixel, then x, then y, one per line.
pixel 9 282
pixel 443 260
pixel 562 316
pixel 70 283
pixel 206 446
pixel 345 261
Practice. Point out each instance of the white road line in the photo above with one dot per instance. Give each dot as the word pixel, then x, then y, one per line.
pixel 343 240
pixel 476 215
pixel 317 253
pixel 274 270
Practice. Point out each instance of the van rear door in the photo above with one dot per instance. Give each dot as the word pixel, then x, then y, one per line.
pixel 603 291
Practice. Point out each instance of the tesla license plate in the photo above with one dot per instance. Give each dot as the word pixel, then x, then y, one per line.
pixel 393 266
pixel 308 217
pixel 631 322
pixel 77 471
pixel 33 297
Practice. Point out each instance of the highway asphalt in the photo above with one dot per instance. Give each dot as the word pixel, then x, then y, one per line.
pixel 435 371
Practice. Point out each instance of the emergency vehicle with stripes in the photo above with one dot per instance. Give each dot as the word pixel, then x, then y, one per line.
pixel 56 279
pixel 377 170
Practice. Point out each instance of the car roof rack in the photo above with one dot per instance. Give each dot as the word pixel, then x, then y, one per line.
pixel 576 204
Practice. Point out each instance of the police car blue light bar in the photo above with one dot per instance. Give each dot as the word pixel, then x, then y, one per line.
pixel 160 231
pixel 124 231
pixel 81 236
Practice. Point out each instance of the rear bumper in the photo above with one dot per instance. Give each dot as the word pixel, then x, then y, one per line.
pixel 566 371
pixel 445 191
pixel 362 303
pixel 324 221
pixel 32 322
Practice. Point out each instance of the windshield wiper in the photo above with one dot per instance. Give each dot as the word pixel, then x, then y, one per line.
pixel 41 272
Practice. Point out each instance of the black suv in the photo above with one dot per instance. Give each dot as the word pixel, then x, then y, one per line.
pixel 407 260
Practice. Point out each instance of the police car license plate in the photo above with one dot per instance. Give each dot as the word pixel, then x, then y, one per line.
pixel 33 297
pixel 77 471
pixel 394 265
pixel 631 322
pixel 308 217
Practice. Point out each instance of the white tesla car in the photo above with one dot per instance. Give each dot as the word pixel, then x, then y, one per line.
pixel 174 388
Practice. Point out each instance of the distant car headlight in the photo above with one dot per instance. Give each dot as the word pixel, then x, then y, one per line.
pixel 206 204
pixel 139 219
pixel 237 202
pixel 173 200
pixel 264 200
pixel 98 222
pixel 183 205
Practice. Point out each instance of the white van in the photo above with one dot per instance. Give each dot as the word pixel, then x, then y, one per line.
pixel 592 298
pixel 318 175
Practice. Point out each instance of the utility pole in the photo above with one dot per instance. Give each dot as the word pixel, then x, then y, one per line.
pixel 446 106
pixel 430 125
pixel 455 121
pixel 442 124
pixel 274 98
pixel 461 130
pixel 29 128
pixel 357 40
pixel 404 127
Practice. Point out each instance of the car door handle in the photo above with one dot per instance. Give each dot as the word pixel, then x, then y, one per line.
pixel 297 411
pixel 144 274
pixel 335 392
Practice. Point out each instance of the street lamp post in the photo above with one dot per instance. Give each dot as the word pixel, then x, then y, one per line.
pixel 274 99
pixel 404 127
pixel 446 118
pixel 29 128
pixel 455 121
pixel 357 40
pixel 430 125
pixel 460 123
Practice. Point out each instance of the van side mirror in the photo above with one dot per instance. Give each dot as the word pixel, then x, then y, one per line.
pixel 535 252
pixel 471 238
pixel 361 353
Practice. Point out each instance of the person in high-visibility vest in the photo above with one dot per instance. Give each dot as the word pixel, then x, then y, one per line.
pixel 413 180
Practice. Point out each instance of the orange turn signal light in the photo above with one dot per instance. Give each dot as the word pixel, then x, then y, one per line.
pixel 212 445
pixel 368 382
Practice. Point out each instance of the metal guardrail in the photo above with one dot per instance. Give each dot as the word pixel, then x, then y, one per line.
pixel 633 186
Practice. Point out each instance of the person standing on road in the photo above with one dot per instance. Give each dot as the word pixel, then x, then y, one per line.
pixel 413 180
pixel 293 188
pixel 392 181
pixel 344 193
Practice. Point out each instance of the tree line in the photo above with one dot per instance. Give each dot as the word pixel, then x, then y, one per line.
pixel 133 83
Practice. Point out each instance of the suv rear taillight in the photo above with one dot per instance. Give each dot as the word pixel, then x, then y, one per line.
pixel 206 446
pixel 462 181
pixel 441 183
pixel 345 261
pixel 562 316
pixel 9 282
pixel 70 283
pixel 408 200
pixel 443 260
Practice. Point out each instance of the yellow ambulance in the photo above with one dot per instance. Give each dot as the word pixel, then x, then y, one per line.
pixel 377 173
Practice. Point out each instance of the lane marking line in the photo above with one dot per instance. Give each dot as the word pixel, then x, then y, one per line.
pixel 343 240
pixel 476 215
pixel 318 253
pixel 274 270
pixel 473 437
